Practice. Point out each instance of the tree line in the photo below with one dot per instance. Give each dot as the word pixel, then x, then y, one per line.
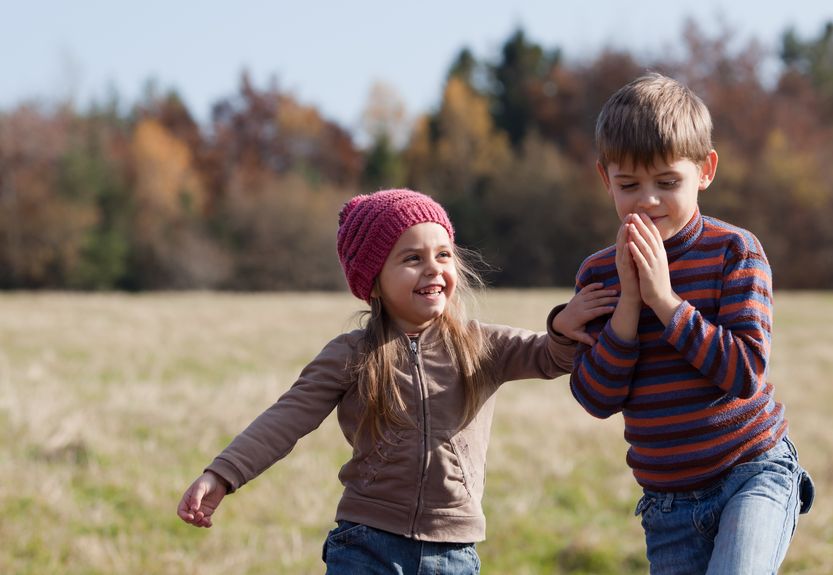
pixel 144 199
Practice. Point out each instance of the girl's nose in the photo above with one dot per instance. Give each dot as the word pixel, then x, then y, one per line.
pixel 433 269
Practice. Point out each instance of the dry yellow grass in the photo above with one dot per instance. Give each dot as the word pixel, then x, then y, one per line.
pixel 111 404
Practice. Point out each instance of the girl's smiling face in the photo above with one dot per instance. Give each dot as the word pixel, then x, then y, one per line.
pixel 666 192
pixel 418 278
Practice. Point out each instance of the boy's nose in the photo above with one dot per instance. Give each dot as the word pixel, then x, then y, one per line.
pixel 648 200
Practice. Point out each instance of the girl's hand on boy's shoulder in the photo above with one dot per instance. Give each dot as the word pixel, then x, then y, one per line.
pixel 590 302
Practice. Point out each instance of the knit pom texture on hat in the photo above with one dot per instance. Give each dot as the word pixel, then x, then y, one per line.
pixel 369 226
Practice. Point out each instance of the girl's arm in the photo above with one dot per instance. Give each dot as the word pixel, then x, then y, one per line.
pixel 523 354
pixel 273 434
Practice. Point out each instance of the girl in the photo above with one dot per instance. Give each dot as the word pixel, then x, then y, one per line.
pixel 414 392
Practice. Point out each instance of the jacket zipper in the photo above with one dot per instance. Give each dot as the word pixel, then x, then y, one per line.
pixel 424 452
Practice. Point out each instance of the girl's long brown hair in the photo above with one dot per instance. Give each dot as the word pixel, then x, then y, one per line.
pixel 383 348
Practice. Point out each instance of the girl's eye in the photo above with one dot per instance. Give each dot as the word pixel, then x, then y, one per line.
pixel 444 255
pixel 411 258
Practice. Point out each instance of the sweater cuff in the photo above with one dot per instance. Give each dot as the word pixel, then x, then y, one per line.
pixel 617 343
pixel 682 315
pixel 555 335
pixel 227 472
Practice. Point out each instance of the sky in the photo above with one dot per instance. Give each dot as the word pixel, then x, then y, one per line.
pixel 328 54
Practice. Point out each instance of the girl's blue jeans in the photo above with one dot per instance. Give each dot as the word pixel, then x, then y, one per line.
pixel 356 549
pixel 741 525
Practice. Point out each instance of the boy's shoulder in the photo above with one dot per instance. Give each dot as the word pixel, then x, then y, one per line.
pixel 601 257
pixel 737 239
pixel 600 263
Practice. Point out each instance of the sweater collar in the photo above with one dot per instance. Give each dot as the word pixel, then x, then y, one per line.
pixel 682 241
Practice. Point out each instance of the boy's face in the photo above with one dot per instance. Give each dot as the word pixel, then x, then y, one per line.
pixel 665 192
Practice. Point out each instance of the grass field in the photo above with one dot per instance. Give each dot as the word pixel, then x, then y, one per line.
pixel 111 404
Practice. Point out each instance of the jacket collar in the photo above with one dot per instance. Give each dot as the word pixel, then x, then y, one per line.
pixel 428 337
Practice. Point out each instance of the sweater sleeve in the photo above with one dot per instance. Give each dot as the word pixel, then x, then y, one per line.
pixel 602 374
pixel 733 352
pixel 273 434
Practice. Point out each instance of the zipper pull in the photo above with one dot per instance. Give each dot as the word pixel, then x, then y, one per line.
pixel 415 350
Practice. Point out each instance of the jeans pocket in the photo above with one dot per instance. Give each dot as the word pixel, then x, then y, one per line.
pixel 806 492
pixel 346 532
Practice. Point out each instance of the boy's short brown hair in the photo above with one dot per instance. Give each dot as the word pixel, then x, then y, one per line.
pixel 653 117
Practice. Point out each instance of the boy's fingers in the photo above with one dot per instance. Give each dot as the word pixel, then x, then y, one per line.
pixel 638 258
pixel 650 230
pixel 642 243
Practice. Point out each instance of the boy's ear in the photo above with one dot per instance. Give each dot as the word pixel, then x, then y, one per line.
pixel 605 177
pixel 708 170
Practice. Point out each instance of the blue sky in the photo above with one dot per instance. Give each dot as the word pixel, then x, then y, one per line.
pixel 328 54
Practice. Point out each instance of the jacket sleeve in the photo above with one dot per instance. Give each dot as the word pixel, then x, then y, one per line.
pixel 602 374
pixel 273 434
pixel 733 352
pixel 519 353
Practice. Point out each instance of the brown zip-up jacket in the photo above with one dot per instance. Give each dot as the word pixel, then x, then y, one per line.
pixel 424 482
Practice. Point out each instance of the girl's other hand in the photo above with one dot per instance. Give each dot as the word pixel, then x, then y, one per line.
pixel 201 499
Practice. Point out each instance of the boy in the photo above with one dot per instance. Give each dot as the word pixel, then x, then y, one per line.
pixel 684 354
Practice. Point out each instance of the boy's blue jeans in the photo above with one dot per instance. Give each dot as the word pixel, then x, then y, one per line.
pixel 356 549
pixel 741 525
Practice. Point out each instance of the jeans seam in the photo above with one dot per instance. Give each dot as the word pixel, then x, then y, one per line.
pixel 787 516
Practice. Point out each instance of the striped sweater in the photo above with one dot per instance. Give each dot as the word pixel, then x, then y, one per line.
pixel 694 394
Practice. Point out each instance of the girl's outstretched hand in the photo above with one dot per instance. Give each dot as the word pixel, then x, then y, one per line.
pixel 589 303
pixel 201 499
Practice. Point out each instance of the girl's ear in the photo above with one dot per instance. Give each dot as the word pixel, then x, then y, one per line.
pixel 376 292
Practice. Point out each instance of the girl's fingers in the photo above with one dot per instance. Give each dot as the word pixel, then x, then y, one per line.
pixel 585 339
pixel 601 295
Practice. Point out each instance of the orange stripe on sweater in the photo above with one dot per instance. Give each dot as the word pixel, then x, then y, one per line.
pixel 600 389
pixel 667 477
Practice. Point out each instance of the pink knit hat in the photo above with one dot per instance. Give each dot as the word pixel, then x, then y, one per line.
pixel 369 226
